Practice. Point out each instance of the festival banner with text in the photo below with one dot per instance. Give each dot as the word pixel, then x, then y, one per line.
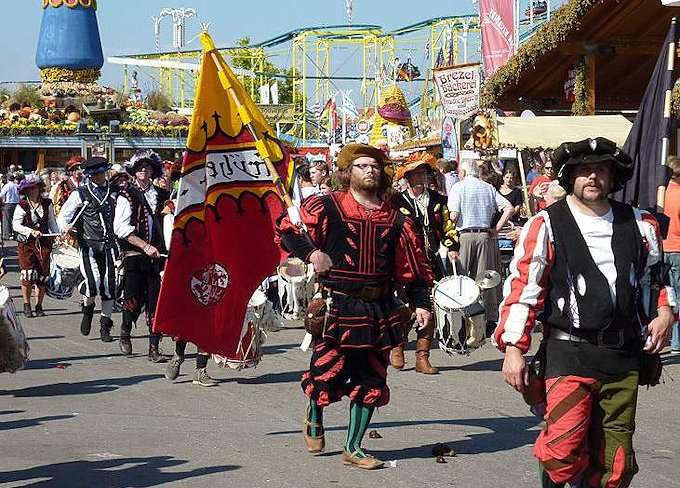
pixel 459 89
pixel 497 21
pixel 222 244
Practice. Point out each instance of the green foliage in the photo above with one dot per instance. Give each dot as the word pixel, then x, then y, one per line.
pixel 581 97
pixel 566 20
pixel 5 95
pixel 157 100
pixel 26 95
pixel 254 59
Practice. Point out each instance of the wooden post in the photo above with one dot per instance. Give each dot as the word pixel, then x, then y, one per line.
pixel 41 160
pixel 590 83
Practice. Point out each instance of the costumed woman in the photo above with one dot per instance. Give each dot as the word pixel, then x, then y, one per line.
pixel 363 249
pixel 33 217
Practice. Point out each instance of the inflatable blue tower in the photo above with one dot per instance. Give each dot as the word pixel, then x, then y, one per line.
pixel 69 47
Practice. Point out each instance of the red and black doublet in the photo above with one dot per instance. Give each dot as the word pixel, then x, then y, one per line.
pixel 34 254
pixel 373 252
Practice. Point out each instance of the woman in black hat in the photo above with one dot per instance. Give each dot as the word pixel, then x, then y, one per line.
pixel 33 217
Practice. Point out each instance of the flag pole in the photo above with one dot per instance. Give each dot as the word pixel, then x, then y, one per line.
pixel 246 119
pixel 667 114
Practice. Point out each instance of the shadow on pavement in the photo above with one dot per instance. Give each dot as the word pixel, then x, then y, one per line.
pixel 113 473
pixel 488 365
pixel 45 338
pixel 279 349
pixel 504 433
pixel 50 363
pixel 285 377
pixel 23 423
pixel 80 388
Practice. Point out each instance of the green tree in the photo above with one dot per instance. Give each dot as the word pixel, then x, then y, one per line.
pixel 254 59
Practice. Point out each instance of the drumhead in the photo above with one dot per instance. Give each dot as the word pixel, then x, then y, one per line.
pixel 455 292
pixel 258 299
pixel 292 267
pixel 66 257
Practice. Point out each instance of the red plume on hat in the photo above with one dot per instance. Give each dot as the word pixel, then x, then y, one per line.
pixel 75 161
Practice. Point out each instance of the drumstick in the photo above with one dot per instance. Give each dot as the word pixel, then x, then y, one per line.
pixel 79 214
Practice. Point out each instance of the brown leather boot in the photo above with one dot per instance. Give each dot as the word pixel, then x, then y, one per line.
pixel 423 357
pixel 397 357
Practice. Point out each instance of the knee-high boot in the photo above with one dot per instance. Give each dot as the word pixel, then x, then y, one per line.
pixel 423 345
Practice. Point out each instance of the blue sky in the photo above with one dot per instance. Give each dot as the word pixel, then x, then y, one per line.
pixel 126 25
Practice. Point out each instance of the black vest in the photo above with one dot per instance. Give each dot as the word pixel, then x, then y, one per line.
pixel 140 207
pixel 600 320
pixel 362 251
pixel 95 225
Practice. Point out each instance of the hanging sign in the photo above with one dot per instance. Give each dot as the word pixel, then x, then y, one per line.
pixel 459 88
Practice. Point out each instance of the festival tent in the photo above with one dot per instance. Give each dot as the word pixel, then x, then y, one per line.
pixel 592 56
pixel 551 131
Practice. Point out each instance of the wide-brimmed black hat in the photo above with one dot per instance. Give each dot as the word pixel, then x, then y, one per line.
pixel 146 156
pixel 571 154
pixel 95 165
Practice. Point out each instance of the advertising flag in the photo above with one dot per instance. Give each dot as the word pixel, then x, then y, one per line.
pixel 497 22
pixel 222 243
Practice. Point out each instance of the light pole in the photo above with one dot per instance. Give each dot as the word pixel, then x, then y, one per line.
pixel 179 18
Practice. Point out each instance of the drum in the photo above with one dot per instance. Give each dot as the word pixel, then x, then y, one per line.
pixel 296 287
pixel 249 351
pixel 64 272
pixel 459 314
pixel 13 344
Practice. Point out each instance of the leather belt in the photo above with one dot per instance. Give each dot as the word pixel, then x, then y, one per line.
pixel 560 335
pixel 477 230
pixel 367 293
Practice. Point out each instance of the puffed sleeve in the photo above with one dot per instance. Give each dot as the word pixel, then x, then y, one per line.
pixel 525 289
pixel 450 237
pixel 412 268
pixel 291 238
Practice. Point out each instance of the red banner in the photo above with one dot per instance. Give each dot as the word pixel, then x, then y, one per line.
pixel 222 243
pixel 497 19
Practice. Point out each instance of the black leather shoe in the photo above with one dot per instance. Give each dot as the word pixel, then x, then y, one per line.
pixel 86 321
pixel 125 345
pixel 39 312
pixel 28 313
pixel 155 356
pixel 105 326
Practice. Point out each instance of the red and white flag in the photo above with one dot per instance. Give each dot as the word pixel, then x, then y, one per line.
pixel 222 243
pixel 497 21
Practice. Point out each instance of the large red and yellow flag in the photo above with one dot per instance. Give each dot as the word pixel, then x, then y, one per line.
pixel 222 244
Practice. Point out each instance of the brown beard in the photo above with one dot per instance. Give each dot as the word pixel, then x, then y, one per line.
pixel 360 184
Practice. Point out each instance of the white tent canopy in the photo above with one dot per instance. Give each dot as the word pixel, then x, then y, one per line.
pixel 551 131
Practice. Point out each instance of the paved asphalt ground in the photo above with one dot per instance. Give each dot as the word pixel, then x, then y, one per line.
pixel 82 415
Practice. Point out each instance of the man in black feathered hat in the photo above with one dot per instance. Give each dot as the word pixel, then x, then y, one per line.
pixel 88 211
pixel 590 269
pixel 138 226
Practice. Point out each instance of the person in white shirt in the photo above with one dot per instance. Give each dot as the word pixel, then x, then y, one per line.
pixel 473 204
pixel 33 218
pixel 138 226
pixel 9 194
pixel 88 212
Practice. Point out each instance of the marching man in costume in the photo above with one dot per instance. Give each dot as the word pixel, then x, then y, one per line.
pixel 589 265
pixel 362 248
pixel 89 212
pixel 138 226
pixel 430 213
pixel 74 173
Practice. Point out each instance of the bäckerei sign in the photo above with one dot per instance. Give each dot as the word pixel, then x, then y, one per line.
pixel 459 89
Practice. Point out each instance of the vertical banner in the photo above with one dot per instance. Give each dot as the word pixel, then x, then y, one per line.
pixel 449 139
pixel 497 21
